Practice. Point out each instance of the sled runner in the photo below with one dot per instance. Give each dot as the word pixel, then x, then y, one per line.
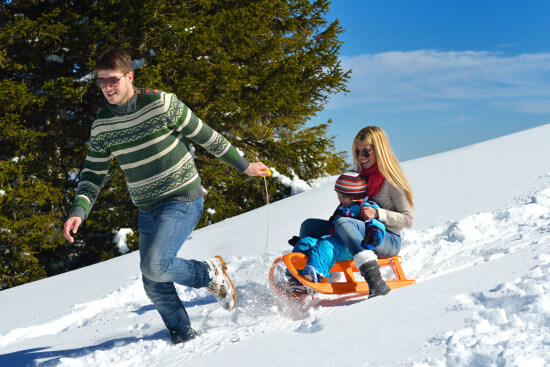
pixel 353 283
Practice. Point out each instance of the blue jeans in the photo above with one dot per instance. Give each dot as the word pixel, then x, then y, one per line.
pixel 162 232
pixel 351 232
pixel 314 227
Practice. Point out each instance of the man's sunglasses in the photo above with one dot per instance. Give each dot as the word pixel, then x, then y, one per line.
pixel 113 82
pixel 365 153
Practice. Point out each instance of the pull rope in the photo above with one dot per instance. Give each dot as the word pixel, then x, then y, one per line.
pixel 267 205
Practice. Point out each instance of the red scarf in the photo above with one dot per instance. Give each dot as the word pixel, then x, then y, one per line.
pixel 374 178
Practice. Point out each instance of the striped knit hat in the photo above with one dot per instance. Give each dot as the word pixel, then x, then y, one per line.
pixel 351 184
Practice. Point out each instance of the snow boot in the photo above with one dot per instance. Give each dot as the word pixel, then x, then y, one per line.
pixel 367 263
pixel 310 274
pixel 178 338
pixel 292 286
pixel 293 241
pixel 222 286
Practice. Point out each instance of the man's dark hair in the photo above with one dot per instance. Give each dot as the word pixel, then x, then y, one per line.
pixel 115 59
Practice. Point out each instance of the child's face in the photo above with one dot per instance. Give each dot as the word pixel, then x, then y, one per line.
pixel 344 199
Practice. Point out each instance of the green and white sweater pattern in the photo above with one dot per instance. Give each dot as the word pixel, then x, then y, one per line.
pixel 151 145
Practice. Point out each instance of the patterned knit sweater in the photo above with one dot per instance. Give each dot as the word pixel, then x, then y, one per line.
pixel 149 136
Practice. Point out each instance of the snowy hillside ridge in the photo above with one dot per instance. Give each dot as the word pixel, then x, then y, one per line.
pixel 479 251
pixel 516 311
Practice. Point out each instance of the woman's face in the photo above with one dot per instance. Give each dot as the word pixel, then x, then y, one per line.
pixel 361 150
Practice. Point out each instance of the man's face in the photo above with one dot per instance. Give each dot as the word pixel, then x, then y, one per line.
pixel 116 86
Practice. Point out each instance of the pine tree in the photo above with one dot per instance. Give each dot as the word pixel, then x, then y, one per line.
pixel 27 200
pixel 255 70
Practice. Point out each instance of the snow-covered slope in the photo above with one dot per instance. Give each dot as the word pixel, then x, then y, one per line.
pixel 479 250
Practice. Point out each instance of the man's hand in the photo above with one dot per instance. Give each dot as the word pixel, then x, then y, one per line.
pixel 257 169
pixel 71 225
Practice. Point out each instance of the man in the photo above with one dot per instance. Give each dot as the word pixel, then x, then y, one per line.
pixel 148 132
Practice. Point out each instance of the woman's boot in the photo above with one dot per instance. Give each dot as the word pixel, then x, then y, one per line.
pixel 367 263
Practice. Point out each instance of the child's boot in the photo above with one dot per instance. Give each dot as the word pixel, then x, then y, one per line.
pixel 310 274
pixel 293 241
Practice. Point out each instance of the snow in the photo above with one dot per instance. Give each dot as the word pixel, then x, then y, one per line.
pixel 479 251
pixel 296 184
pixel 54 58
pixel 120 239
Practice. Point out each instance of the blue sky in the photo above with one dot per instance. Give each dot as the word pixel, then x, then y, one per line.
pixel 438 75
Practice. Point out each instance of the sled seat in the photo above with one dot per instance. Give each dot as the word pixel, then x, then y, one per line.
pixel 295 261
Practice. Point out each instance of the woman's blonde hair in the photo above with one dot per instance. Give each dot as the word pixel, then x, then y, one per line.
pixel 387 162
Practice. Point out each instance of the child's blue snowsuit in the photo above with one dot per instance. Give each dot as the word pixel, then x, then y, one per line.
pixel 325 251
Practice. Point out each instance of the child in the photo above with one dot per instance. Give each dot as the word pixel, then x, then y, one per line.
pixel 325 251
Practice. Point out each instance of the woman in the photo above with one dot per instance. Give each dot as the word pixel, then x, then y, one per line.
pixel 387 186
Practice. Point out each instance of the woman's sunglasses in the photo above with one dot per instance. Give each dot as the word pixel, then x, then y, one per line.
pixel 365 153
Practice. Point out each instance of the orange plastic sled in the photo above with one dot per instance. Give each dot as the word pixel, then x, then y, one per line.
pixel 296 261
